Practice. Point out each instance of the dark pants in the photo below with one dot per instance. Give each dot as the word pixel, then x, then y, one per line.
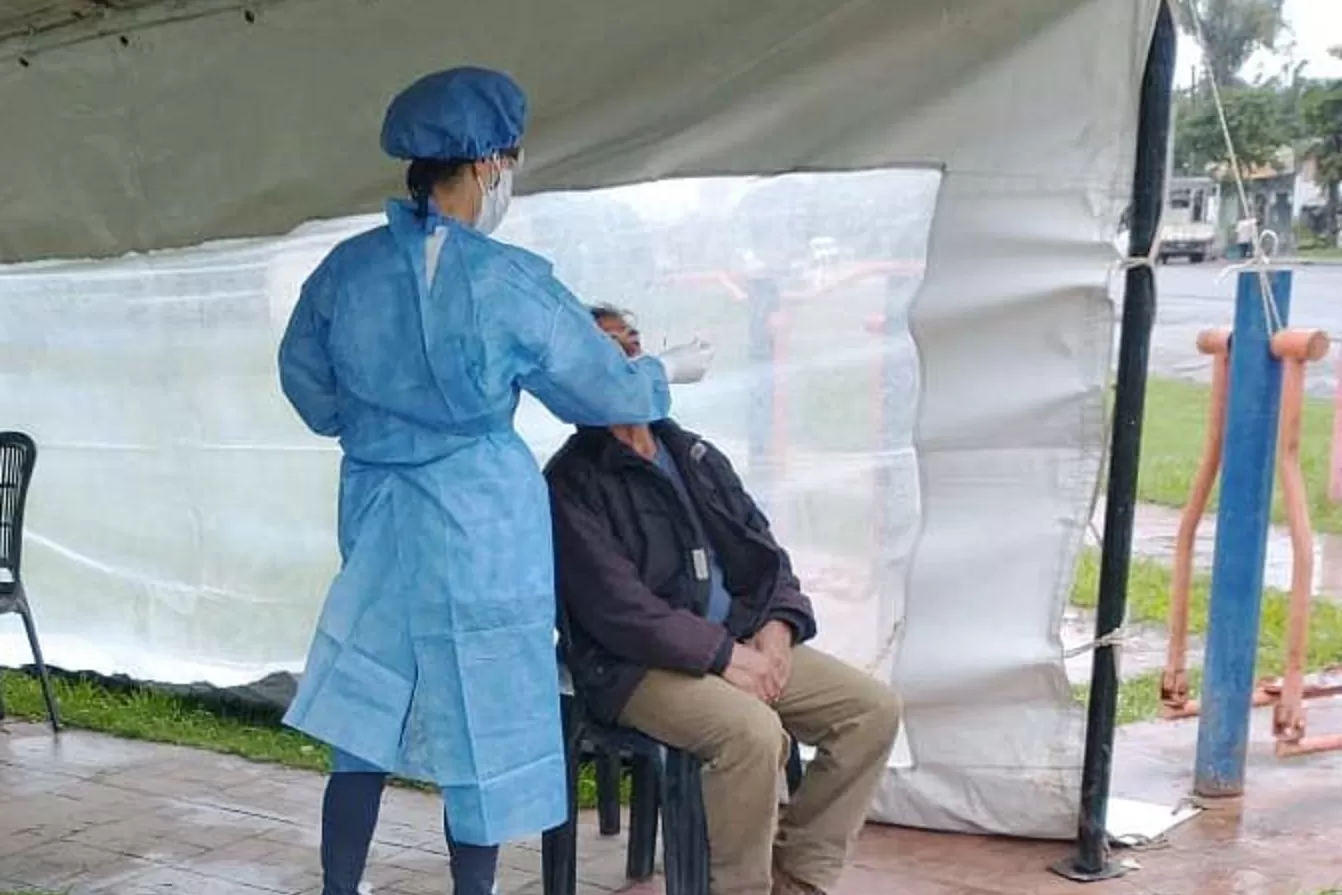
pixel 349 814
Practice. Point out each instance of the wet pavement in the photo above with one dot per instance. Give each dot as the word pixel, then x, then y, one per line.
pixel 87 813
pixel 1155 529
pixel 1280 839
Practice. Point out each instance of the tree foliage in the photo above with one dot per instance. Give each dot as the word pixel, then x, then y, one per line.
pixel 1321 120
pixel 1261 120
pixel 1233 30
pixel 1321 112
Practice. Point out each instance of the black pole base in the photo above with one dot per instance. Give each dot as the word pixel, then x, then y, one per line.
pixel 1070 869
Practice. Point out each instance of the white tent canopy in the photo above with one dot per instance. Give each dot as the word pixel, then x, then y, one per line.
pixel 131 126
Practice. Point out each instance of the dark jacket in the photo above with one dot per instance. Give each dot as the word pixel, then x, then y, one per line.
pixel 629 597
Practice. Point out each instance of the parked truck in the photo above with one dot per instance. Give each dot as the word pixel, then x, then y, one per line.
pixel 1188 229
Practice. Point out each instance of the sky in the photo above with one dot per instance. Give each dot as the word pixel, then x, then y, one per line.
pixel 1315 26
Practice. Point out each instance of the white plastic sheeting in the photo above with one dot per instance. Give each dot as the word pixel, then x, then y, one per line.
pixel 181 515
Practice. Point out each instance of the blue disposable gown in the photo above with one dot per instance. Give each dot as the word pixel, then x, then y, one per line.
pixel 434 655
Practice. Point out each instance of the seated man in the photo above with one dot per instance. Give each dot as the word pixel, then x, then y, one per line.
pixel 684 621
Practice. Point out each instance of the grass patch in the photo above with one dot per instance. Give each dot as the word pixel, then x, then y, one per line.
pixel 1323 254
pixel 1138 697
pixel 1172 433
pixel 1149 603
pixel 141 714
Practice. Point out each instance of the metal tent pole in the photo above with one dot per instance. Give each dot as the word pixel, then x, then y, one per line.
pixel 1091 861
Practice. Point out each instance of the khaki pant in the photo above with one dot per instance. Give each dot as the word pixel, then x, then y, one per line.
pixel 850 718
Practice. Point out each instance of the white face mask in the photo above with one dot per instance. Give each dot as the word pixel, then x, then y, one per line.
pixel 494 202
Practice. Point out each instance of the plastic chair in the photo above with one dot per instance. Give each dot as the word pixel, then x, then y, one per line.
pixel 18 456
pixel 663 781
pixel 612 748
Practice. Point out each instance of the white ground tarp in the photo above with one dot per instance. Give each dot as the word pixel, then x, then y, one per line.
pixel 181 521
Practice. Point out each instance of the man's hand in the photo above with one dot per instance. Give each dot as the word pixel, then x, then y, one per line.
pixel 774 640
pixel 752 672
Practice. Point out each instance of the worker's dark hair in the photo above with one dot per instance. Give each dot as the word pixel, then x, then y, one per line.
pixel 426 173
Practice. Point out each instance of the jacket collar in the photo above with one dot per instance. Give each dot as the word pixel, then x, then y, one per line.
pixel 611 453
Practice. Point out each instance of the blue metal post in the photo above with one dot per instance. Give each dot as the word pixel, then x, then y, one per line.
pixel 1242 521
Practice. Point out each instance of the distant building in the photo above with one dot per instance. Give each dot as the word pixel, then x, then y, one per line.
pixel 1283 197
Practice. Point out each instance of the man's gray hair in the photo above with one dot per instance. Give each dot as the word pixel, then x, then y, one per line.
pixel 603 311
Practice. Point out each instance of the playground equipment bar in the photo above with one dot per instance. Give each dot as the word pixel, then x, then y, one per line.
pixel 1091 861
pixel 1294 348
pixel 1174 681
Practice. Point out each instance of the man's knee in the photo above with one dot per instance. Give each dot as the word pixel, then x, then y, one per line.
pixel 755 736
pixel 877 713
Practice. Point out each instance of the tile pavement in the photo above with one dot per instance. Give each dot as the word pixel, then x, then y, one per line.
pixel 84 813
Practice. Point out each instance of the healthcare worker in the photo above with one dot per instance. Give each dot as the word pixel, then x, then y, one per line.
pixel 434 655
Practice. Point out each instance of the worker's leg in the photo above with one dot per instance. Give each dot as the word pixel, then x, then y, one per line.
pixel 743 747
pixel 349 815
pixel 852 720
pixel 473 866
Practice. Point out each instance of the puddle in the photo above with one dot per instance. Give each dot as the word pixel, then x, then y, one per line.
pixel 1156 529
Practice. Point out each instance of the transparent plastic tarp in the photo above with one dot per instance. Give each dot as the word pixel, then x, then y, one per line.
pixel 181 523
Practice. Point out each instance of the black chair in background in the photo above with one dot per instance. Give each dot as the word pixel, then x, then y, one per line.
pixel 18 456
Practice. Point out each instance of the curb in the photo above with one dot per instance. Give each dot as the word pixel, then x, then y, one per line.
pixel 1311 262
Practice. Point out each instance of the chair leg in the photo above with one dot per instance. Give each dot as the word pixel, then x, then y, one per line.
pixel 794 769
pixel 608 791
pixel 48 695
pixel 559 847
pixel 644 802
pixel 684 826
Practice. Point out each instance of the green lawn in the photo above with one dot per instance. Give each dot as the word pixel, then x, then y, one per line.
pixel 1175 424
pixel 141 714
pixel 1322 254
pixel 1149 603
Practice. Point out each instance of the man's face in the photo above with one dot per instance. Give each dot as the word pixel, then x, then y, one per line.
pixel 619 329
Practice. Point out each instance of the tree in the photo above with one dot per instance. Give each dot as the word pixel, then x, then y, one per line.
pixel 1321 116
pixel 1260 120
pixel 1232 30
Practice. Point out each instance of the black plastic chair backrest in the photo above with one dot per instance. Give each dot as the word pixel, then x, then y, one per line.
pixel 18 456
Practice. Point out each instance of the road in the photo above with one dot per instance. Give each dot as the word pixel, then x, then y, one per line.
pixel 1191 299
